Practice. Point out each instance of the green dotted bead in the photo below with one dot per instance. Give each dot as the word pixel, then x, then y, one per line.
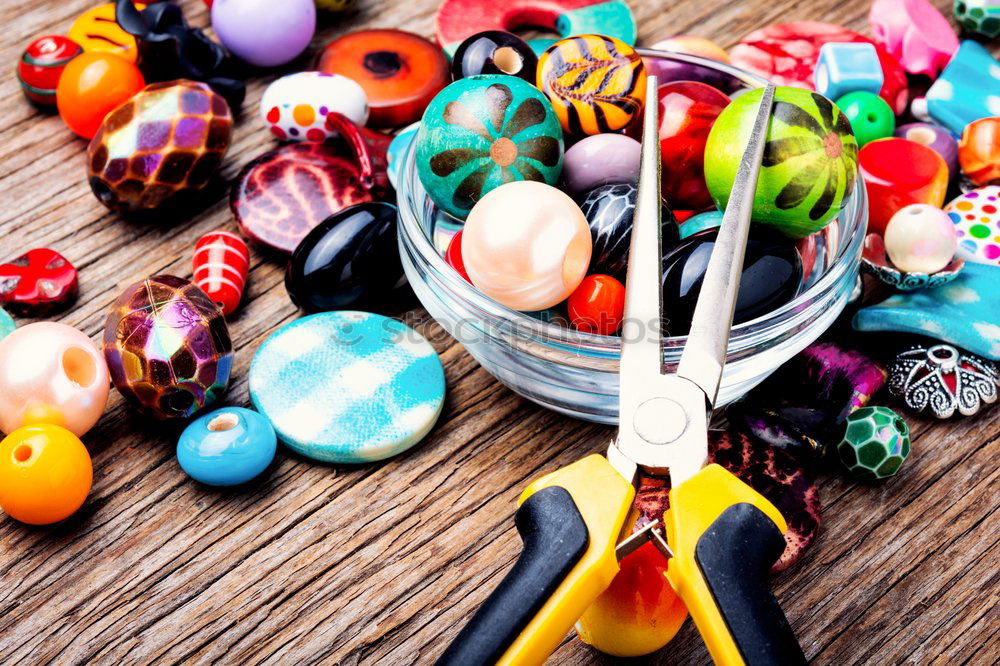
pixel 876 443
pixel 981 17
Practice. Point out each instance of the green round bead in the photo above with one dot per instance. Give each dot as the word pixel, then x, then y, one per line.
pixel 981 17
pixel 876 443
pixel 481 132
pixel 871 118
pixel 810 159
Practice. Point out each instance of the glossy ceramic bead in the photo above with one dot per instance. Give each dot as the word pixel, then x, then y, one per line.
pixel 221 263
pixel 51 373
pixel 347 387
pixel 600 159
pixel 91 86
pixel 399 71
pixel 847 67
pixel 349 258
pixel 295 106
pixel 976 216
pixel 980 17
pixel 164 143
pixel 227 447
pixel 45 474
pixel 875 260
pixel 481 132
pixel 979 151
pixel 7 324
pixel 526 245
pixel 167 347
pixel 41 65
pixel 891 187
pixel 609 210
pixel 920 239
pixel 701 222
pixel 915 32
pixel 870 117
pixel 38 283
pixel 597 305
pixel 876 443
pixel 942 378
pixel 595 83
pixel 810 159
pixel 453 255
pixel 494 52
pixel 968 89
pixel 264 33
pixel 934 137
pixel 687 112
pixel 772 276
pixel 97 31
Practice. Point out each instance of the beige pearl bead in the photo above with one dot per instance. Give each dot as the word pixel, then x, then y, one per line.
pixel 51 373
pixel 526 245
pixel 920 239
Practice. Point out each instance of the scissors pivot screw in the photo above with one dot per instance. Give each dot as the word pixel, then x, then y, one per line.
pixel 660 420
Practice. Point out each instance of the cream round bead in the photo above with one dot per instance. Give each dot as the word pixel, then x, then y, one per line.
pixel 51 373
pixel 920 239
pixel 526 245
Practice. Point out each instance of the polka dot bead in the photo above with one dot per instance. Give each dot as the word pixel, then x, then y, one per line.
pixel 976 216
pixel 295 107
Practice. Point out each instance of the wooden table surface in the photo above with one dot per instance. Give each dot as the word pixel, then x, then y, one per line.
pixel 382 563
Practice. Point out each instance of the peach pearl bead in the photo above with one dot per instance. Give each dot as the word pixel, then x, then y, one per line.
pixel 51 373
pixel 526 245
pixel 920 239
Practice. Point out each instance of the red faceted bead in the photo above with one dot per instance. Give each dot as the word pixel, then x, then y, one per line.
pixel 221 263
pixel 38 283
pixel 453 255
pixel 597 305
pixel 42 64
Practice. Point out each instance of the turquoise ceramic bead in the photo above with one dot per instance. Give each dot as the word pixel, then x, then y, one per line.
pixel 701 222
pixel 226 447
pixel 7 325
pixel 968 88
pixel 481 132
pixel 871 117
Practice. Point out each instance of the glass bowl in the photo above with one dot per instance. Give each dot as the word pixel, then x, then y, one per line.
pixel 577 373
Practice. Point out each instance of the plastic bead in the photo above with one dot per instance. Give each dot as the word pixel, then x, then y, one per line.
pixel 847 67
pixel 481 132
pixel 97 32
pixel 600 159
pixel 453 256
pixel 876 444
pixel 526 245
pixel 875 260
pixel 891 187
pixel 979 151
pixel 915 32
pixel 399 71
pixel 262 32
pixel 349 258
pixel 934 137
pixel 7 325
pixel 51 373
pixel 227 447
pixel 295 106
pixel 701 222
pixel 980 17
pixel 967 90
pixel 494 52
pixel 976 216
pixel 41 65
pixel 38 283
pixel 167 347
pixel 597 305
pixel 45 474
pixel 870 117
pixel 221 263
pixel 91 86
pixel 588 104
pixel 920 239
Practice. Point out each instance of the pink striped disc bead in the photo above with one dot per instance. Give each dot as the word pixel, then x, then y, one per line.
pixel 221 263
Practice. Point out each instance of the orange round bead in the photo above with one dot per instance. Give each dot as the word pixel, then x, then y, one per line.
pixel 92 85
pixel 45 474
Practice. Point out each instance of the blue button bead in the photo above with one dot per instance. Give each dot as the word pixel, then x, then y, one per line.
pixel 847 67
pixel 226 447
pixel 968 88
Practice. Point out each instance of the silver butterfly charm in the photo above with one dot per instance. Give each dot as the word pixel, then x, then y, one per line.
pixel 943 379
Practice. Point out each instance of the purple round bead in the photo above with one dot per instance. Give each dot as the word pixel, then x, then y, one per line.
pixel 263 32
pixel 600 159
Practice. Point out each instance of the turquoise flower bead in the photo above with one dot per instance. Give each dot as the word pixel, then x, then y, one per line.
pixel 227 447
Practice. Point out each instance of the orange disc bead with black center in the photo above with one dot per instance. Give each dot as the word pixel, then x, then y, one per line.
pixel 597 305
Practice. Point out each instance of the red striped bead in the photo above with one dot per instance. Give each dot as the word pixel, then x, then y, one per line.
pixel 221 263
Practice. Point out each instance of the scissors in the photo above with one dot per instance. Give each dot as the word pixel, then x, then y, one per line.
pixel 722 535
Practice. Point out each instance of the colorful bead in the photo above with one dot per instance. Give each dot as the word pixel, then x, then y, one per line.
pixel 51 373
pixel 526 245
pixel 944 379
pixel 263 33
pixel 399 71
pixel 967 90
pixel 97 31
pixel 869 115
pixel 934 137
pixel 876 444
pixel 167 347
pixel 45 474
pixel 347 387
pixel 41 65
pixel 7 325
pixel 295 106
pixel 453 256
pixel 227 447
pixel 810 159
pixel 91 86
pixel 701 222
pixel 221 263
pixel 847 67
pixel 597 305
pixel 979 151
pixel 915 32
pixel 595 83
pixel 494 52
pixel 165 142
pixel 920 239
pixel 38 283
pixel 981 17
pixel 875 260
pixel 976 216
pixel 482 132
pixel 890 187
pixel 600 159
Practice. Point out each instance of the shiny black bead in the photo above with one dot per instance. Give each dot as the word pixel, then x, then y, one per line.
pixel 494 52
pixel 350 257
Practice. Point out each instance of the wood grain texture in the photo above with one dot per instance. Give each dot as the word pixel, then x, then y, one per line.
pixel 382 563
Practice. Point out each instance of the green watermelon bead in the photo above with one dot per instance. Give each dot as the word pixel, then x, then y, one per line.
pixel 875 444
pixel 810 159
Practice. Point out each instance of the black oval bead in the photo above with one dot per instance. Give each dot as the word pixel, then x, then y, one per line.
pixel 772 276
pixel 494 52
pixel 348 258
pixel 609 210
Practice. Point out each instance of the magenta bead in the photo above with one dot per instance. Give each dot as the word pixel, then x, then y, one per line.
pixel 264 32
pixel 915 32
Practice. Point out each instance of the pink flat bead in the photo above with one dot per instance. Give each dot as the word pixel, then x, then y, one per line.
pixel 915 32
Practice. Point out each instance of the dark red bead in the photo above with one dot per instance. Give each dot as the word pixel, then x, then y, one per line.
pixel 453 255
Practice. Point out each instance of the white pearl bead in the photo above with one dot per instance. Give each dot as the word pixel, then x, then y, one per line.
pixel 920 239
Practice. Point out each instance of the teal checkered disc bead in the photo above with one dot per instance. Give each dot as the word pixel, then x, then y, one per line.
pixel 876 443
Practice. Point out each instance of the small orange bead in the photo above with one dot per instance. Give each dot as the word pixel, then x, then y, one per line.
pixel 92 85
pixel 597 305
pixel 45 474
